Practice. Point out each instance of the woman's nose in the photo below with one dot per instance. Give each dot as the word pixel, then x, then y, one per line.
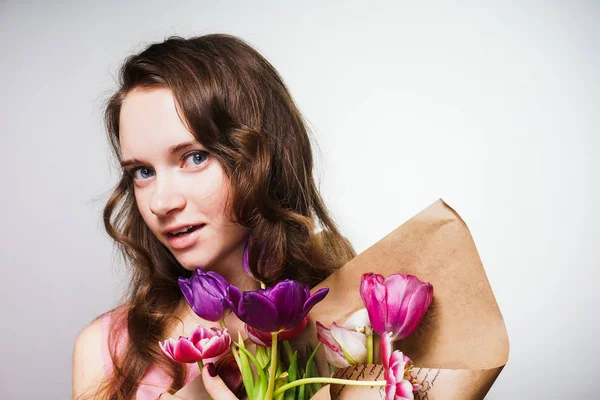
pixel 165 199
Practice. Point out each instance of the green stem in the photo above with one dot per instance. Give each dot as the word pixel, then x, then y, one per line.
pixel 222 322
pixel 273 367
pixel 335 381
pixel 370 349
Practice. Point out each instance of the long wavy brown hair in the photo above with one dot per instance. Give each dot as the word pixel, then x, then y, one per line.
pixel 237 106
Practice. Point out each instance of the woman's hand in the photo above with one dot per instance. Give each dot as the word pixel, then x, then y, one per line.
pixel 214 385
pixel 322 394
pixel 207 386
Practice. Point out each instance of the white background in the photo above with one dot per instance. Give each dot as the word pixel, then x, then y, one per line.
pixel 492 106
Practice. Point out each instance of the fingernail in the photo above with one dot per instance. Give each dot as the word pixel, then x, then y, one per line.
pixel 212 371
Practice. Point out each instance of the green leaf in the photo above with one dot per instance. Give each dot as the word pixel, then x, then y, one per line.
pixel 247 375
pixel 280 396
pixel 262 378
pixel 262 356
pixel 311 360
pixel 260 388
pixel 301 393
pixel 280 383
pixel 280 369
pixel 311 371
pixel 288 350
pixel 290 394
pixel 309 391
pixel 282 379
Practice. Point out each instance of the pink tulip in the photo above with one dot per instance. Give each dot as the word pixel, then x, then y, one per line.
pixel 398 371
pixel 203 344
pixel 400 381
pixel 396 304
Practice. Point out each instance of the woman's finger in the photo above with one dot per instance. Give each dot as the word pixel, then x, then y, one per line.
pixel 214 385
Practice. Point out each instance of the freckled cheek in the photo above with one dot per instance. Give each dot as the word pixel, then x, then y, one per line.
pixel 208 199
pixel 210 195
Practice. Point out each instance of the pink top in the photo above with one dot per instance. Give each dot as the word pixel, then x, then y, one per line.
pixel 156 381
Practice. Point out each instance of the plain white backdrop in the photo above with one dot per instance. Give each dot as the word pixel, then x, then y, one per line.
pixel 492 106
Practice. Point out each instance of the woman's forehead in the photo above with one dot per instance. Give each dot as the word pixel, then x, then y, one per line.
pixel 149 122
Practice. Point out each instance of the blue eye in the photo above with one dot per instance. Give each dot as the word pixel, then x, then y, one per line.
pixel 197 157
pixel 144 173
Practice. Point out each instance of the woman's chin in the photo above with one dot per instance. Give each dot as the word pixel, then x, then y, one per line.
pixel 190 266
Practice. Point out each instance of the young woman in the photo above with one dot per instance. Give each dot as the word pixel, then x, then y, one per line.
pixel 215 156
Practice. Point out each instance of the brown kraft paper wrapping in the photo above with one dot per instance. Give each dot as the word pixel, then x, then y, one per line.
pixel 461 346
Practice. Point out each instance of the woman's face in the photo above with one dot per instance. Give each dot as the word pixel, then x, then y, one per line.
pixel 178 184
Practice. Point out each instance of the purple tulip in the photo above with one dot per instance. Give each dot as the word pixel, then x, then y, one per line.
pixel 278 308
pixel 205 292
pixel 396 304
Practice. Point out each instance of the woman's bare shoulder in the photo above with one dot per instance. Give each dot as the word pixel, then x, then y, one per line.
pixel 88 359
pixel 90 355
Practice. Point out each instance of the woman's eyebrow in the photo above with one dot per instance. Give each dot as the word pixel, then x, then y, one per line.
pixel 181 146
pixel 172 150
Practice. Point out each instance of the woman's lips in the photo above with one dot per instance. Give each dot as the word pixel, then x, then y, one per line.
pixel 183 241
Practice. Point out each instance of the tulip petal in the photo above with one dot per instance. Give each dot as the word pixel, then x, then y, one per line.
pixel 353 344
pixel 186 289
pixel 313 300
pixel 292 333
pixel 203 343
pixel 214 346
pixel 213 283
pixel 399 289
pixel 257 337
pixel 414 308
pixel 185 351
pixel 204 292
pixel 373 293
pixel 404 390
pixel 259 312
pixel 233 298
pixel 358 319
pixel 200 333
pixel 390 390
pixel 168 348
pixel 333 351
pixel 288 297
pixel 336 359
pixel 397 364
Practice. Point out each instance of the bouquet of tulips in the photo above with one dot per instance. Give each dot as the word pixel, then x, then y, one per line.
pixel 459 352
pixel 275 315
